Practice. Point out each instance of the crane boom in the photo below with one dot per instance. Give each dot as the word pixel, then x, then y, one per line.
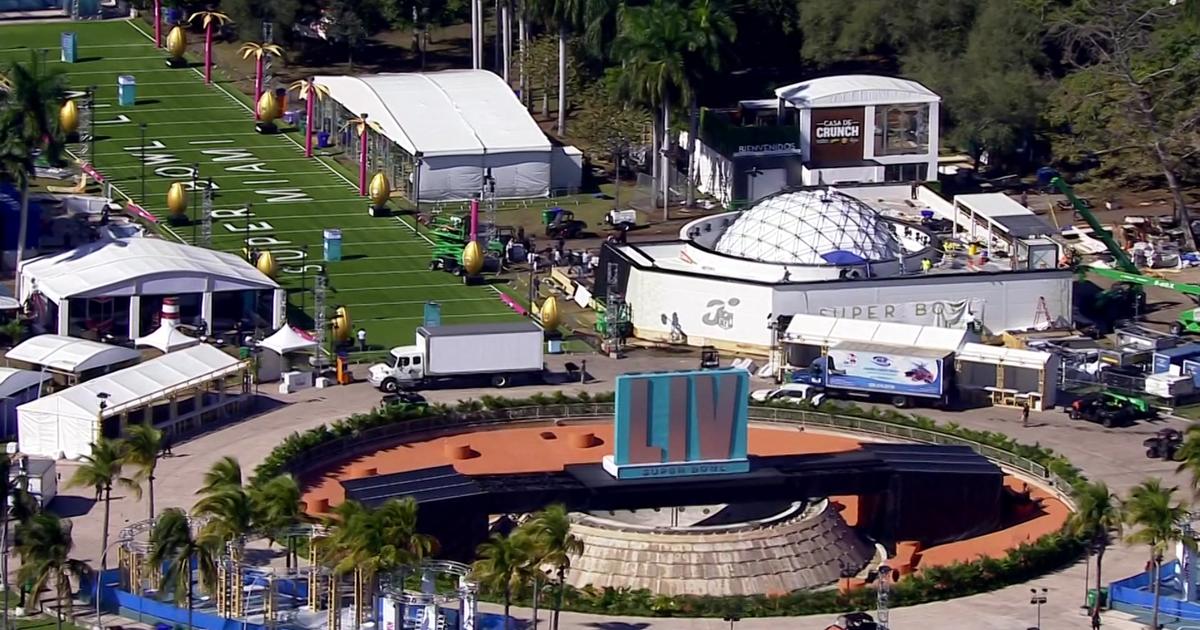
pixel 1142 280
pixel 1118 254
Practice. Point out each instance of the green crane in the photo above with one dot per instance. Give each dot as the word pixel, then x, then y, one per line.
pixel 1127 272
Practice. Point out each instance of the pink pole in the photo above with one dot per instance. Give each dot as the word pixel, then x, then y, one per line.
pixel 362 162
pixel 474 218
pixel 258 86
pixel 308 119
pixel 208 54
pixel 158 23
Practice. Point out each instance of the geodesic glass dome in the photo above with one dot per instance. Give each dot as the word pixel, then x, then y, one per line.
pixel 810 227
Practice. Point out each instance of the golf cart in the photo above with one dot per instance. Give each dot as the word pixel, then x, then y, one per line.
pixel 1111 409
pixel 710 359
pixel 402 398
pixel 562 223
pixel 1163 445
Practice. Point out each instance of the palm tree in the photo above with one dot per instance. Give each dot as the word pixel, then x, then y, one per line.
pixel 208 19
pixel 311 93
pixel 275 506
pixel 174 546
pixel 100 471
pixel 562 16
pixel 227 512
pixel 143 444
pixel 259 52
pixel 45 550
pixel 1157 519
pixel 711 22
pixel 224 472
pixel 1097 516
pixel 654 44
pixel 1189 455
pixel 30 125
pixel 377 541
pixel 504 565
pixel 555 544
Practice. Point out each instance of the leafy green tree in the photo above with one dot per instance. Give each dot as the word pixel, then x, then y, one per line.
pixel 1097 517
pixel 562 16
pixel 45 547
pixel 542 67
pixel 607 126
pixel 276 508
pixel 654 43
pixel 1156 519
pixel 554 545
pixel 993 93
pixel 1130 99
pixel 174 545
pixel 29 128
pixel 143 444
pixel 100 471
pixel 349 27
pixel 503 565
pixel 715 31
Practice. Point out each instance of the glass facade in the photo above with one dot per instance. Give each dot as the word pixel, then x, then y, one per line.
pixel 98 318
pixel 901 129
pixel 917 172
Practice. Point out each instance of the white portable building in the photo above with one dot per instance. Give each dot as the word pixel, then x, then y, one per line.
pixel 1008 377
pixel 64 424
pixel 17 387
pixel 458 125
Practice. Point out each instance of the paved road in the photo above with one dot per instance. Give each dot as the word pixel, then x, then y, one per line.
pixel 1112 455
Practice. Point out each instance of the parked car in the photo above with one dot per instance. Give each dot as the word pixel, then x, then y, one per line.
pixel 788 392
pixel 402 398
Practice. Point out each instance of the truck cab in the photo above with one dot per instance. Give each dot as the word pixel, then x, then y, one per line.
pixel 404 367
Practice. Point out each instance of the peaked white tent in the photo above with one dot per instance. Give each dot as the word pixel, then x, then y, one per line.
pixel 288 339
pixel 461 123
pixel 167 339
pixel 64 424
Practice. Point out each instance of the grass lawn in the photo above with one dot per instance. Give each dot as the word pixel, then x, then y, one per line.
pixel 382 278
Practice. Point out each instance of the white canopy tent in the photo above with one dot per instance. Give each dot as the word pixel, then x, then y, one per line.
pixel 137 267
pixel 17 387
pixel 288 339
pixel 1009 376
pixel 815 330
pixel 460 123
pixel 70 355
pixel 167 339
pixel 64 424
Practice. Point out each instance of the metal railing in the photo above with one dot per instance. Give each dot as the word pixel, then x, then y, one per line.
pixel 370 440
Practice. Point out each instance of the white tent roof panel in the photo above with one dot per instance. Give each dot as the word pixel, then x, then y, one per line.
pixel 65 422
pixel 286 340
pixel 14 381
pixel 997 355
pixel 167 339
pixel 453 112
pixel 816 330
pixel 70 354
pixel 855 89
pixel 139 265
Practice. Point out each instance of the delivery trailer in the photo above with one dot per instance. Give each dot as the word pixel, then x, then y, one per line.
pixel 500 353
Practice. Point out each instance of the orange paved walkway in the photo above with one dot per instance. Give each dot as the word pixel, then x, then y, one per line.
pixel 543 449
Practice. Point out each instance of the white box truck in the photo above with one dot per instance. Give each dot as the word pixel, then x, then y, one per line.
pixel 500 353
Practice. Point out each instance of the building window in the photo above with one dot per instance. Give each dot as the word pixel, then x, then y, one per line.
pixel 905 172
pixel 901 129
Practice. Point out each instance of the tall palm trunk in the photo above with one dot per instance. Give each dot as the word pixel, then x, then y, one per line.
pixel 537 591
pixel 562 80
pixel 558 597
pixel 546 95
pixel 693 129
pixel 150 483
pixel 190 599
pixel 63 595
pixel 104 528
pixel 507 605
pixel 1099 562
pixel 655 162
pixel 5 489
pixel 523 79
pixel 23 223
pixel 1154 581
pixel 665 171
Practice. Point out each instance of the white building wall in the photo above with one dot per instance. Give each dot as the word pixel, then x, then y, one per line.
pixel 712 171
pixel 736 313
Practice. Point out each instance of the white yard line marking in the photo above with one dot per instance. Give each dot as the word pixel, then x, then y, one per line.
pixel 225 141
pixel 259 182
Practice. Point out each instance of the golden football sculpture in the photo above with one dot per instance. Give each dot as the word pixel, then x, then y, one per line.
pixel 472 258
pixel 176 199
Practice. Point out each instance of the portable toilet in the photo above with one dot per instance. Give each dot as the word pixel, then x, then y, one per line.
pixel 333 245
pixel 126 90
pixel 70 47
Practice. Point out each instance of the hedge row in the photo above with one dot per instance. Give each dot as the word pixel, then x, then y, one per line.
pixel 930 584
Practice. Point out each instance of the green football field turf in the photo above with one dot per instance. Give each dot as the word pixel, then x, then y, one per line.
pixel 383 277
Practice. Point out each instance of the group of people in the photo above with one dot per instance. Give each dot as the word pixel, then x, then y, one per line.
pixel 578 262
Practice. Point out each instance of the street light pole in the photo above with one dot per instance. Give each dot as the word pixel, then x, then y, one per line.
pixel 1037 598
pixel 100 579
pixel 195 205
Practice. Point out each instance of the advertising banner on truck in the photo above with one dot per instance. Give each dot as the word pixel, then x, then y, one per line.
pixel 884 372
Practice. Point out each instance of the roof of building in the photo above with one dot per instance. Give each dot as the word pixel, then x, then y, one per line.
pixel 140 384
pixel 70 354
pixel 1006 213
pixel 855 89
pixel 139 266
pixel 453 112
pixel 13 381
pixel 818 330
pixel 810 227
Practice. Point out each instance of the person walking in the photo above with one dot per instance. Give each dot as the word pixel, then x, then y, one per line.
pixel 1025 415
pixel 362 339
pixel 166 446
pixel 1096 619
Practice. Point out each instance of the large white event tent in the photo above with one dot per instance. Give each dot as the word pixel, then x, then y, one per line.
pixel 64 424
pixel 70 356
pixel 456 123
